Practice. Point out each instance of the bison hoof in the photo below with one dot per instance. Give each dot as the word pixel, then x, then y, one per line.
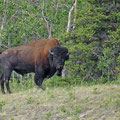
pixel 3 92
pixel 9 92
pixel 41 88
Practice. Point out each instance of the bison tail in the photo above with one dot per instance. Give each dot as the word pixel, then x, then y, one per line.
pixel 0 52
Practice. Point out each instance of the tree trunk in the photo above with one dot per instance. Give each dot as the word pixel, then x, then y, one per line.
pixel 57 7
pixel 75 13
pixel 69 18
pixel 2 24
pixel 49 25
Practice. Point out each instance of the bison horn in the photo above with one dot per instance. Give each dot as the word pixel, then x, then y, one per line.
pixel 68 54
pixel 51 52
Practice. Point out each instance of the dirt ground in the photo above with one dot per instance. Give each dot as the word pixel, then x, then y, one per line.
pixel 98 102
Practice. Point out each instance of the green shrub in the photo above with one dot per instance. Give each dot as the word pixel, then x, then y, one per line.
pixel 48 115
pixel 25 85
pixel 29 100
pixel 2 103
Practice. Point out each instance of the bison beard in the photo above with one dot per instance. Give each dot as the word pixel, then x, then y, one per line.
pixel 43 57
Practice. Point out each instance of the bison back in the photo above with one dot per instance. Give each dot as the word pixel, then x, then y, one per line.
pixel 44 42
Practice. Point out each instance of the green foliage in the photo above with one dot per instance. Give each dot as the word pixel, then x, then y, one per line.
pixel 63 109
pixel 62 82
pixel 25 22
pixel 11 118
pixel 72 96
pixel 2 103
pixel 48 115
pixel 29 100
pixel 77 110
pixel 117 103
pixel 50 95
pixel 25 85
pixel 94 43
pixel 95 91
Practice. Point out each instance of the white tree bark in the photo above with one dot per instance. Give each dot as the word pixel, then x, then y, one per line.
pixel 57 7
pixel 75 12
pixel 1 29
pixel 2 25
pixel 49 25
pixel 75 9
pixel 69 19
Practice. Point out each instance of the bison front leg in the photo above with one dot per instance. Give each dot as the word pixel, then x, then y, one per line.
pixel 39 79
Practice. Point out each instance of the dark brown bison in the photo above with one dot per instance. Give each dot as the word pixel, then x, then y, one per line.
pixel 43 57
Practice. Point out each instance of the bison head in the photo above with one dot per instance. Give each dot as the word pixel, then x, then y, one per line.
pixel 57 57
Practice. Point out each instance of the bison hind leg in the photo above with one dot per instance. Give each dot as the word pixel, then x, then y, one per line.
pixel 2 84
pixel 6 77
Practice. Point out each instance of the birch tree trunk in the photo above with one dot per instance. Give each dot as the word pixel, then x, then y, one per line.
pixel 58 1
pixel 74 7
pixel 69 18
pixel 2 24
pixel 75 13
pixel 49 25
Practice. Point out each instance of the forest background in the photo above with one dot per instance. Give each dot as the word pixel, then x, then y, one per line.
pixel 90 29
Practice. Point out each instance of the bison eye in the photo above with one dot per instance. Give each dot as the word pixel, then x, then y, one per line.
pixel 55 56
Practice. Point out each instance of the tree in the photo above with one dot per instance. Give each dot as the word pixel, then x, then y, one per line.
pixel 95 41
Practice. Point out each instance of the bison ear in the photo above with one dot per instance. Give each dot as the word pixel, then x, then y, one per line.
pixel 51 52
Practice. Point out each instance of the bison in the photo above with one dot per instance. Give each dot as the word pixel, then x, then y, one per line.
pixel 43 57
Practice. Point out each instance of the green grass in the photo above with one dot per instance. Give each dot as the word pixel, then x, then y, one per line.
pixel 62 99
pixel 67 83
pixel 78 102
pixel 29 100
pixel 2 103
pixel 71 95
pixel 48 114
pixel 117 103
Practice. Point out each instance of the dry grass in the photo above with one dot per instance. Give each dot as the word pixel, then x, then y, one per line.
pixel 99 102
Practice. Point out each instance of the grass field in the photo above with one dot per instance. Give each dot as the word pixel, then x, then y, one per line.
pixel 97 102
